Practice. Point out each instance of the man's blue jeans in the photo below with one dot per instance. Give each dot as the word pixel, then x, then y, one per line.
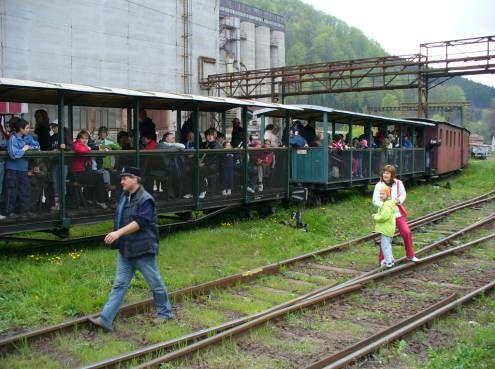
pixel 126 267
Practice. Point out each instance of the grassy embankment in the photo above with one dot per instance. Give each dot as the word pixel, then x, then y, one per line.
pixel 45 288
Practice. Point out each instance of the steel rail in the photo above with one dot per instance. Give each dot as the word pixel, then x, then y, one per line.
pixel 119 360
pixel 314 299
pixel 371 344
pixel 246 326
pixel 411 265
pixel 10 343
pixel 488 219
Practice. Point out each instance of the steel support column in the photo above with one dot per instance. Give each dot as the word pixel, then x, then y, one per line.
pixel 64 221
pixel 246 152
pixel 197 173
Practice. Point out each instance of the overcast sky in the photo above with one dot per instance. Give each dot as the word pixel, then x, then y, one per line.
pixel 400 26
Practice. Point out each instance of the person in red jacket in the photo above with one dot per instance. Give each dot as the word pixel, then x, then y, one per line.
pixel 150 162
pixel 149 142
pixel 84 174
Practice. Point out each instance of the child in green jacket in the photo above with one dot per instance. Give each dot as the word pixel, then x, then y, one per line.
pixel 385 225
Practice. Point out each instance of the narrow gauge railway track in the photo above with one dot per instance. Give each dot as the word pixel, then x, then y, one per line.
pixel 370 344
pixel 278 339
pixel 299 282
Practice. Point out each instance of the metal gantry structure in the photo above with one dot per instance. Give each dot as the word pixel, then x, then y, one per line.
pixel 461 110
pixel 436 63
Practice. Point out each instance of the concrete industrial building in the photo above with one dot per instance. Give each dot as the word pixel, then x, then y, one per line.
pixel 148 44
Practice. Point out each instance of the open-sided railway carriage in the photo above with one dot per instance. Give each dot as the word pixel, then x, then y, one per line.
pixel 318 168
pixel 324 168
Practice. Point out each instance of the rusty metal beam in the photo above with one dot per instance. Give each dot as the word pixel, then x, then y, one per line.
pixel 359 75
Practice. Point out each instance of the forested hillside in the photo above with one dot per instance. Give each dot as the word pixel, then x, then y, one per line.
pixel 313 36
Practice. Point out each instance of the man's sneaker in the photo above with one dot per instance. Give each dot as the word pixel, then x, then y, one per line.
pixel 99 323
pixel 414 259
pixel 229 192
pixel 390 265
pixel 202 195
pixel 188 196
pixel 382 264
pixel 260 188
pixel 160 319
pixel 224 192
pixel 249 189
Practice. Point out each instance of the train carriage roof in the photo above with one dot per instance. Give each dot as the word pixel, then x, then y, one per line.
pixel 315 112
pixel 437 122
pixel 84 95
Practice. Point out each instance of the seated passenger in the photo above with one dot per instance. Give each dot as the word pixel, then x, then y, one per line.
pixel 127 160
pixel 84 174
pixel 336 154
pixel 316 142
pixel 228 171
pixel 38 174
pixel 220 139
pixel 173 166
pixel 406 142
pixel 124 140
pixel 149 142
pixel 209 164
pixel 149 163
pixel 169 143
pixel 17 167
pixel 296 140
pixel 267 164
pixel 260 165
pixel 270 134
pixel 189 141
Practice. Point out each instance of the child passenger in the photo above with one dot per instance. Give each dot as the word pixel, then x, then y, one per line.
pixel 385 225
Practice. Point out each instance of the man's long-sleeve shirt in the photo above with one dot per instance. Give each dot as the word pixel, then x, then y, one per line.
pixel 16 160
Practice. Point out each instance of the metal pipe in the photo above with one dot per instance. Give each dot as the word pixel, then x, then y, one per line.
pixel 246 152
pixel 197 173
pixel 64 221
pixel 137 132
pixel 178 126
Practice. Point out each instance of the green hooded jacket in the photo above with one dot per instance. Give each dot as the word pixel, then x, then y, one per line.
pixel 385 219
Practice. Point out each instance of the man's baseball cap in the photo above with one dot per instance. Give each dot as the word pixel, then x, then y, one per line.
pixel 130 172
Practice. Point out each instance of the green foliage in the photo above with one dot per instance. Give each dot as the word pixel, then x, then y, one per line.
pixel 313 36
pixel 475 352
pixel 46 288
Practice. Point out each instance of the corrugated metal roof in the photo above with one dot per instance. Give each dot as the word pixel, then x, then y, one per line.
pixel 315 112
pixel 85 95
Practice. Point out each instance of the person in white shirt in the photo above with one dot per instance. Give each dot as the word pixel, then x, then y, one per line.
pixel 270 135
pixel 387 177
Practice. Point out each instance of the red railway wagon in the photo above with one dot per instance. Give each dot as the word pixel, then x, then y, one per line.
pixel 452 152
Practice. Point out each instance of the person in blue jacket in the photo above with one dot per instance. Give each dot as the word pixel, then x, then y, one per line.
pixel 136 238
pixel 17 168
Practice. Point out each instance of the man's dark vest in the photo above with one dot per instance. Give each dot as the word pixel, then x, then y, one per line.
pixel 146 240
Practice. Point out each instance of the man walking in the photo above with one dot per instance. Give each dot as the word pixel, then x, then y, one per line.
pixel 136 238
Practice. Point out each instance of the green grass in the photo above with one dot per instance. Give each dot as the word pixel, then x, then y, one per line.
pixel 467 341
pixel 100 348
pixel 473 338
pixel 46 288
